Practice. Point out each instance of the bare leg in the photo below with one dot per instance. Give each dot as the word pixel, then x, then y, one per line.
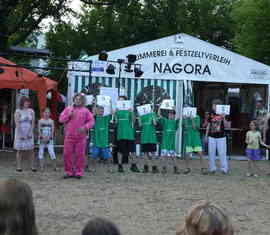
pixel 256 168
pixel 54 165
pixel 42 163
pixel 187 160
pixel 250 168
pixel 187 163
pixel 94 166
pixel 32 159
pixel 109 165
pixel 203 165
pixel 19 160
pixel 146 163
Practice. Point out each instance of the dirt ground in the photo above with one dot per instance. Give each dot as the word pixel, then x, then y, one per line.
pixel 143 204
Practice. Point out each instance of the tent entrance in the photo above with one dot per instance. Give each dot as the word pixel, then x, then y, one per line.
pixel 241 97
pixel 7 109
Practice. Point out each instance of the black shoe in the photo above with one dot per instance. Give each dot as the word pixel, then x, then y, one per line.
pixel 187 171
pixel 78 177
pixel 120 168
pixel 134 168
pixel 34 169
pixel 164 170
pixel 155 170
pixel 67 176
pixel 204 171
pixel 19 170
pixel 175 170
pixel 145 169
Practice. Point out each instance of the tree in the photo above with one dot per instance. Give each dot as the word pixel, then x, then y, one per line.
pixel 19 18
pixel 252 37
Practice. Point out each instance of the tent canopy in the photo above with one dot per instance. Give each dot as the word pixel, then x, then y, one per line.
pixel 180 57
pixel 21 78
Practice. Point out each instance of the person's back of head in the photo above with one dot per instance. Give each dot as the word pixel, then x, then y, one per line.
pixel 100 226
pixel 17 213
pixel 206 219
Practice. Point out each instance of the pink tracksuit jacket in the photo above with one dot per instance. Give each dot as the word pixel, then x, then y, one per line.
pixel 75 142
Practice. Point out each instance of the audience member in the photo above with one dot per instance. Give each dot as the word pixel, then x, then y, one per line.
pixel 100 226
pixel 206 219
pixel 17 212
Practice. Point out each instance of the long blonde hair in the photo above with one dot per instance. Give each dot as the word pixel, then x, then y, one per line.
pixel 206 219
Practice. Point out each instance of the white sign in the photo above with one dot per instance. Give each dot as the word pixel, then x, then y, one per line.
pixel 189 112
pixel 123 105
pixel 167 104
pixel 107 110
pixel 144 109
pixel 98 66
pixel 223 109
pixel 89 99
pixel 103 100
pixel 111 92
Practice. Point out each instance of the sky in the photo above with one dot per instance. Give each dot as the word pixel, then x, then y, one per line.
pixel 75 5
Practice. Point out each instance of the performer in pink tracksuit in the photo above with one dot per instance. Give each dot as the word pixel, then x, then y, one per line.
pixel 77 120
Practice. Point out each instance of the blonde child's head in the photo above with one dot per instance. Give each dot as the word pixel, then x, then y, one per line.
pixel 206 219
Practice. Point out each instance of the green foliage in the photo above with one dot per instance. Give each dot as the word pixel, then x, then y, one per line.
pixel 19 18
pixel 252 37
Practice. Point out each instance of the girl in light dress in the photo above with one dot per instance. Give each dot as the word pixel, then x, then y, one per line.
pixel 24 133
pixel 253 141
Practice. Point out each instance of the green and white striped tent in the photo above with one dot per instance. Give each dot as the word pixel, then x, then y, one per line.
pixel 131 86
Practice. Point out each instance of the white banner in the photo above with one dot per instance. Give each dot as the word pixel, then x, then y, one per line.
pixel 183 57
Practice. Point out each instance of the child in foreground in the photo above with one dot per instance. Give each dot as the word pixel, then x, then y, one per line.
pixel 100 226
pixel 46 134
pixel 253 141
pixel 206 219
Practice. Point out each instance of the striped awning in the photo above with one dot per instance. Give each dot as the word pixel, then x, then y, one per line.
pixel 132 86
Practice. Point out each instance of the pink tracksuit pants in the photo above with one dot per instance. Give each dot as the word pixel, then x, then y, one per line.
pixel 74 155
